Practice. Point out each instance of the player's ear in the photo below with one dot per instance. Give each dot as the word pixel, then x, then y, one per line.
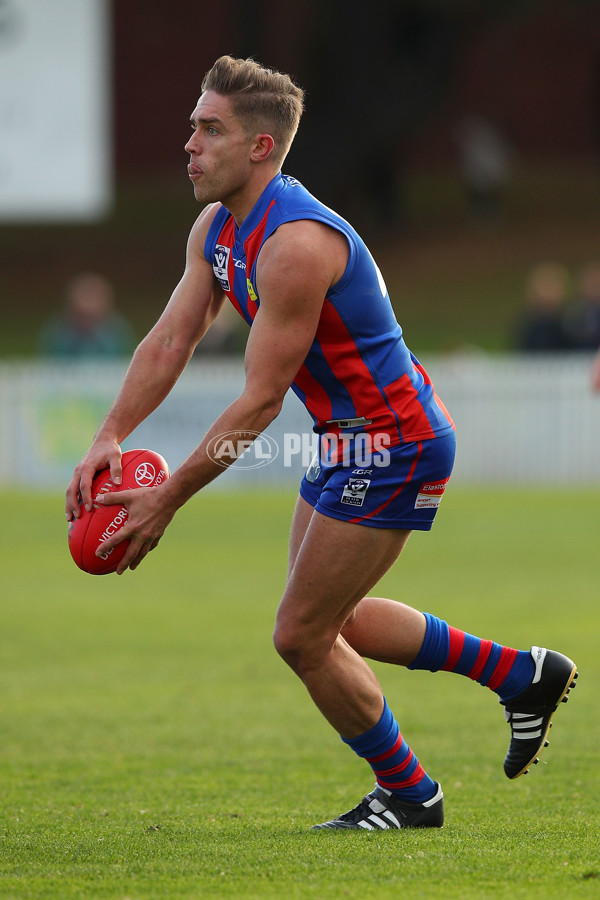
pixel 262 147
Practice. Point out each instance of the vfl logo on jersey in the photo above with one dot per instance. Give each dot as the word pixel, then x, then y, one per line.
pixel 221 266
pixel 354 492
pixel 430 494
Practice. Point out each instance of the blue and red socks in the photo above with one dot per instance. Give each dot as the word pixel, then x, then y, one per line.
pixel 505 671
pixel 396 767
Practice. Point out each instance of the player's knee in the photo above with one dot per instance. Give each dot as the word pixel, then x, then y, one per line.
pixel 287 643
pixel 298 647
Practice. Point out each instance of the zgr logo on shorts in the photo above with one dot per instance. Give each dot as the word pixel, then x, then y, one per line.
pixel 249 449
pixel 145 474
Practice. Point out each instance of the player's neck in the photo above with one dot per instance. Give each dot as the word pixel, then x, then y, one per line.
pixel 242 202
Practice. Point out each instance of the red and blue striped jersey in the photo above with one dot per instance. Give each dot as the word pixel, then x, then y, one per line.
pixel 358 364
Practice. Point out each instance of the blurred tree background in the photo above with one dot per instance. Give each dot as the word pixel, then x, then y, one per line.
pixel 461 137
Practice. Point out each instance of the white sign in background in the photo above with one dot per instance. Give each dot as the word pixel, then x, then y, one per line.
pixel 55 117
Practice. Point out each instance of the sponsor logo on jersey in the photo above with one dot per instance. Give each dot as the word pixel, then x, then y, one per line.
pixel 354 492
pixel 221 266
pixel 430 494
pixel 251 292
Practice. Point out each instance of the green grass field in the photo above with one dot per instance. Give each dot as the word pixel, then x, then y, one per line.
pixel 154 746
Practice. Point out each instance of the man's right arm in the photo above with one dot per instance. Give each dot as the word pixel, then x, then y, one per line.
pixel 156 364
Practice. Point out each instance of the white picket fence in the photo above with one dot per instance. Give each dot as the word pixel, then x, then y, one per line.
pixel 519 420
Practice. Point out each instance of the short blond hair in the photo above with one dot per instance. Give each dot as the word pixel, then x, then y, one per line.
pixel 264 100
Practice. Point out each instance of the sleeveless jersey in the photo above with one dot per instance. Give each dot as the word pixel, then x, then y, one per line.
pixel 358 365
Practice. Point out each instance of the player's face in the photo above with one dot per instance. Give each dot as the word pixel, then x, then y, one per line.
pixel 219 150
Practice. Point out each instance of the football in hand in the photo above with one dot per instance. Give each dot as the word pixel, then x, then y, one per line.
pixel 141 468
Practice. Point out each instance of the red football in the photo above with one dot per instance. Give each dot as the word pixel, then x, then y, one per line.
pixel 141 468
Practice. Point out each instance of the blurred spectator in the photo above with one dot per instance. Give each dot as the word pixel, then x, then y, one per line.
pixel 542 328
pixel 582 319
pixel 484 162
pixel 88 326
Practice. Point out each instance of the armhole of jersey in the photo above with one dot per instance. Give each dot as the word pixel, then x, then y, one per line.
pixel 216 226
pixel 352 254
pixel 297 216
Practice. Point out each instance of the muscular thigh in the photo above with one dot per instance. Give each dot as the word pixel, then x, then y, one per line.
pixel 333 564
pixel 300 521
